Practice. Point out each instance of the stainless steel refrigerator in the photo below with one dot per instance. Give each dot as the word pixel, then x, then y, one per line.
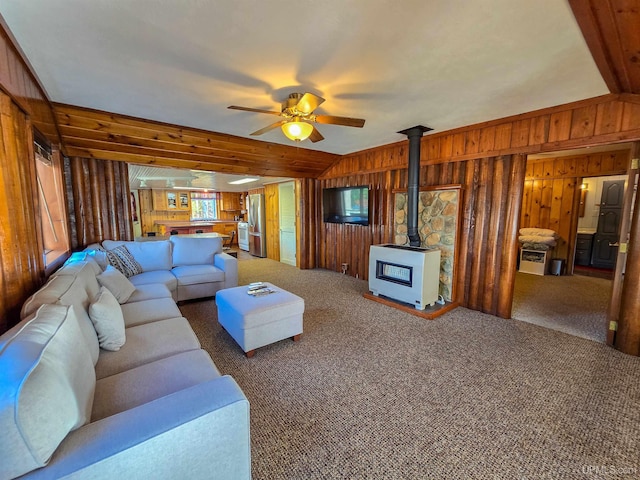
pixel 257 222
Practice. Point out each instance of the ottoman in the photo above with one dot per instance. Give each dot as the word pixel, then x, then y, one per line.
pixel 256 321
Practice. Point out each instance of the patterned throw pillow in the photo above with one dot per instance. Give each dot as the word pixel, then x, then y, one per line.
pixel 122 259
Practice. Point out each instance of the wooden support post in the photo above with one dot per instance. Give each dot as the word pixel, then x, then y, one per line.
pixel 619 277
pixel 627 339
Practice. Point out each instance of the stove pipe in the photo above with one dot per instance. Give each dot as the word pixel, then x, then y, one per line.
pixel 414 134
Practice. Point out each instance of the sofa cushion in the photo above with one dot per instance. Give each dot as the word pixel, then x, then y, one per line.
pixel 66 290
pixel 117 283
pixel 48 383
pixel 149 291
pixel 85 274
pixel 120 258
pixel 106 315
pixel 195 251
pixel 192 274
pixel 155 255
pixel 140 385
pixel 147 343
pixel 157 276
pixel 145 311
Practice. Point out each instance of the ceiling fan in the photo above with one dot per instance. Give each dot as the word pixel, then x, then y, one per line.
pixel 298 117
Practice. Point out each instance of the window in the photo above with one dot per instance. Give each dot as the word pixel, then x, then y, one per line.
pixel 52 208
pixel 204 206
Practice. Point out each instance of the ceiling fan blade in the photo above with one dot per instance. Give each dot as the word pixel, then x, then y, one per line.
pixel 345 121
pixel 309 102
pixel 257 110
pixel 315 136
pixel 269 127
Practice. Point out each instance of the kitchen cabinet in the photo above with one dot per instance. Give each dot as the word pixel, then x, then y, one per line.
pixel 170 200
pixel 230 202
pixel 226 228
pixel 159 200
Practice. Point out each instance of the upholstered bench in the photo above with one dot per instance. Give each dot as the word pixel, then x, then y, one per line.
pixel 256 321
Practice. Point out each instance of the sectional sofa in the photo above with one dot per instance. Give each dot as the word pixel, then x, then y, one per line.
pixel 104 378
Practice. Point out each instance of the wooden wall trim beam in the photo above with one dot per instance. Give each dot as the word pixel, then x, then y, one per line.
pixel 104 135
pixel 610 28
pixel 86 119
pixel 593 35
pixel 267 170
pixel 598 121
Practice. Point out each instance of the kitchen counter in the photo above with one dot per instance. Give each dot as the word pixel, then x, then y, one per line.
pixel 185 227
pixel 187 223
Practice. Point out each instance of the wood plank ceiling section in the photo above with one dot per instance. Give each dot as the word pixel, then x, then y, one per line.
pixel 96 134
pixel 611 29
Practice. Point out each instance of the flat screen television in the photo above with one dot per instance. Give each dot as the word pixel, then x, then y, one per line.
pixel 346 205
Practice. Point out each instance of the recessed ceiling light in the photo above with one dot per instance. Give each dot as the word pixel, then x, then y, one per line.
pixel 242 180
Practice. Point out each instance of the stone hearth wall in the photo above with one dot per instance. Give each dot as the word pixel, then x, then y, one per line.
pixel 437 225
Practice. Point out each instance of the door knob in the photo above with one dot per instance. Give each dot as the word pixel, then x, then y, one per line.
pixel 616 244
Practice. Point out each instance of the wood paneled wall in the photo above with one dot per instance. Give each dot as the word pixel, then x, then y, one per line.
pixel 596 121
pixel 17 80
pixel 492 189
pixel 21 244
pixel 272 228
pixel 99 201
pixel 551 191
pixel 307 218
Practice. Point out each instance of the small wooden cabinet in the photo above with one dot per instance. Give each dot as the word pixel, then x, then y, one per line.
pixel 584 244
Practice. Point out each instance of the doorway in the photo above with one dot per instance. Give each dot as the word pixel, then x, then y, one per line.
pixel 552 199
pixel 287 210
pixel 599 221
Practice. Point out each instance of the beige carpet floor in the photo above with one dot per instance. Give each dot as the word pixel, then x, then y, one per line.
pixel 374 393
pixel 574 304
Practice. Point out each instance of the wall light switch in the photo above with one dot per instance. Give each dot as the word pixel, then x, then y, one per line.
pixel 623 248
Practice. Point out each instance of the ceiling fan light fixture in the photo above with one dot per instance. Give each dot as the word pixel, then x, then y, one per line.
pixel 297 130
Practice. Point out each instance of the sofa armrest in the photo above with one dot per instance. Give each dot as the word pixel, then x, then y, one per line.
pixel 229 265
pixel 198 432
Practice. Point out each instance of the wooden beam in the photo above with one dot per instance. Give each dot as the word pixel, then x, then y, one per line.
pixel 109 136
pixel 610 28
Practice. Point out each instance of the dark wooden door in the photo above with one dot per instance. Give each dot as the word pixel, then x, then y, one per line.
pixel 609 221
pixel 612 194
pixel 605 242
pixel 604 251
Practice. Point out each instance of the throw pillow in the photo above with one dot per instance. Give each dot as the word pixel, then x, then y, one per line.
pixel 108 321
pixel 117 284
pixel 122 259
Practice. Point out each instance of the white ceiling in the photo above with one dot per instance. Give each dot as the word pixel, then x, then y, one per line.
pixel 396 63
pixel 142 176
